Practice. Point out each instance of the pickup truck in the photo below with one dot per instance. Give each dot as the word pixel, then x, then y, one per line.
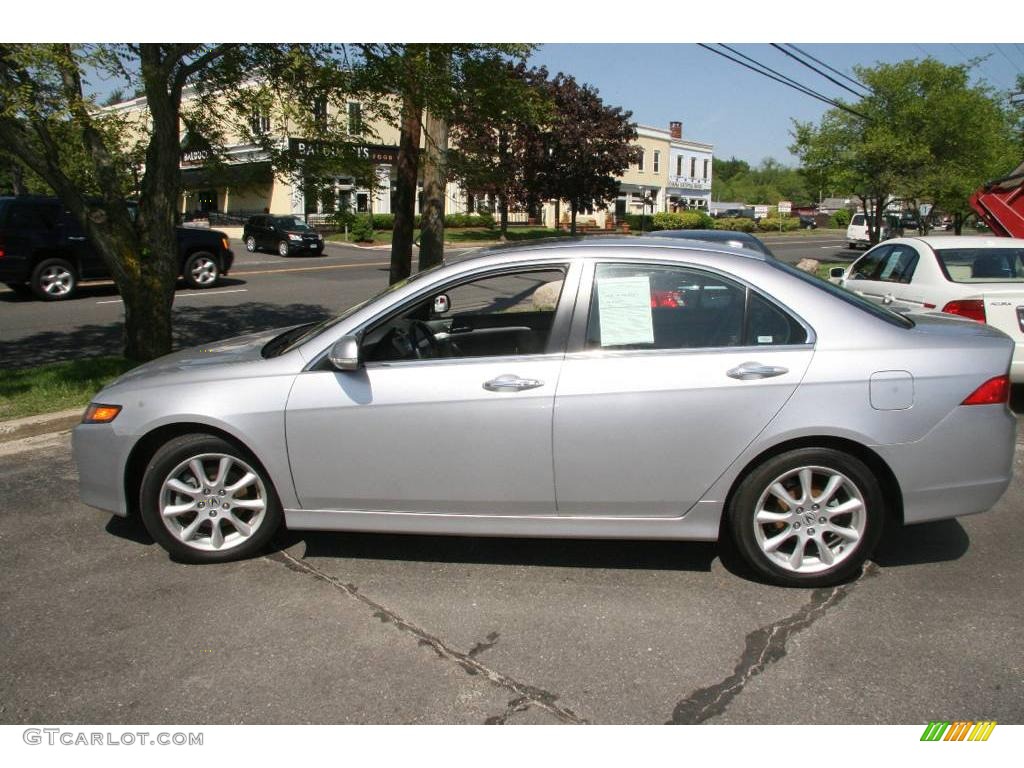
pixel 44 251
pixel 1000 204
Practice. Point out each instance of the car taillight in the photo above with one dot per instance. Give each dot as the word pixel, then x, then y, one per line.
pixel 972 309
pixel 1 246
pixel 992 392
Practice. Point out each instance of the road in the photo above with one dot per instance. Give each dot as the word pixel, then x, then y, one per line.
pixel 262 291
pixel 101 626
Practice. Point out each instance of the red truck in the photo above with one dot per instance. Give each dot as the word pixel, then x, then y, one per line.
pixel 1000 204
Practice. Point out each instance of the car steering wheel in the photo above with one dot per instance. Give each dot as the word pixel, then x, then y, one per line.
pixel 418 327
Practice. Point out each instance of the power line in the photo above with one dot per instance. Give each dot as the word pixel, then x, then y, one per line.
pixel 853 80
pixel 781 79
pixel 1008 59
pixel 817 71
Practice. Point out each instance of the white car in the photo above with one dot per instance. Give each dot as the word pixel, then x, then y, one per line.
pixel 857 232
pixel 981 278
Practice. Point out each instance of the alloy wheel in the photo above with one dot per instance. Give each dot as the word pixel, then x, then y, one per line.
pixel 213 502
pixel 56 280
pixel 203 271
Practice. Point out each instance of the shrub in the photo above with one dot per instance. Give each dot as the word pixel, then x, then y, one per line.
pixel 362 229
pixel 776 224
pixel 739 224
pixel 840 219
pixel 383 221
pixel 342 218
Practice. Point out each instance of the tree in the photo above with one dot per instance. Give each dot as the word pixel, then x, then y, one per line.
pixel 421 78
pixel 500 133
pixel 923 132
pixel 590 144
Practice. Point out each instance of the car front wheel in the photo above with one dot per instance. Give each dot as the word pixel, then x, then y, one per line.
pixel 808 518
pixel 250 244
pixel 201 270
pixel 283 249
pixel 205 500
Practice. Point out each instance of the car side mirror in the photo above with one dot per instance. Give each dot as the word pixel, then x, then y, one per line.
pixel 442 304
pixel 837 272
pixel 344 354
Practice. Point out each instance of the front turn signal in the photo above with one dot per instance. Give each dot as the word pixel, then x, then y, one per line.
pixel 100 414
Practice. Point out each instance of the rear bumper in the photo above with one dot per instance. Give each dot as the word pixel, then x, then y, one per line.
pixel 961 467
pixel 1017 365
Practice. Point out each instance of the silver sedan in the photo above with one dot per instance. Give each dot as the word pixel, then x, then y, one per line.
pixel 619 388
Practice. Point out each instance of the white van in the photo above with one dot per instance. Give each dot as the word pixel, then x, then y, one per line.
pixel 857 232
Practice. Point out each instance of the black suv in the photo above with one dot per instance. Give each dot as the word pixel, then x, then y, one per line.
pixel 284 234
pixel 44 251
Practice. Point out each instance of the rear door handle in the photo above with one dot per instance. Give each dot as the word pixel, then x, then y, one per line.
pixel 75 238
pixel 888 298
pixel 749 371
pixel 509 382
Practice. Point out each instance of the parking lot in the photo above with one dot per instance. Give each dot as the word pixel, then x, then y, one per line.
pixel 100 625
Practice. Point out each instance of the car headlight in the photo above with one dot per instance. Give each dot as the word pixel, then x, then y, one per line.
pixel 294 237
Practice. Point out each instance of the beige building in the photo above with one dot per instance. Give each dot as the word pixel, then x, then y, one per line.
pixel 672 174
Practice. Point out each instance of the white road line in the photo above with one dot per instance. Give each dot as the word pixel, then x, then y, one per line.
pixel 186 295
pixel 826 247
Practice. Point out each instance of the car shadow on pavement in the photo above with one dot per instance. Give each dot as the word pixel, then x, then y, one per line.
pixel 937 542
pixel 193 325
pixel 561 553
pixel 130 529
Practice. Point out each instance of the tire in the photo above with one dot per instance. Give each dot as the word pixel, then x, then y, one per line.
pixel 202 270
pixel 250 244
pixel 792 546
pixel 283 249
pixel 54 280
pixel 246 516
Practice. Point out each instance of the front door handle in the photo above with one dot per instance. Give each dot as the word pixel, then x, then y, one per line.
pixel 509 382
pixel 887 298
pixel 76 238
pixel 749 371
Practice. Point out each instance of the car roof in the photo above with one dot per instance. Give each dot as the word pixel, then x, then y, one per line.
pixel 596 247
pixel 942 242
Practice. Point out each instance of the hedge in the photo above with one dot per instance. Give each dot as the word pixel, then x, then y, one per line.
pixel 681 220
pixel 775 224
pixel 840 219
pixel 738 224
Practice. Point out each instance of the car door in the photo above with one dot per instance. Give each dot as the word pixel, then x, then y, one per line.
pixel 884 276
pixel 670 375
pixel 432 426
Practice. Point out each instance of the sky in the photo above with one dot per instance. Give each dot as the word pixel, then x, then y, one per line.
pixel 744 114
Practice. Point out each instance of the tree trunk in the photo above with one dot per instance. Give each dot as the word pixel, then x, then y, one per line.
pixel 558 213
pixel 503 216
pixel 958 223
pixel 147 316
pixel 405 189
pixel 572 227
pixel 435 177
pixel 17 179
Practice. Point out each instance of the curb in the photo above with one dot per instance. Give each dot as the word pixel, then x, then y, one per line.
pixel 43 424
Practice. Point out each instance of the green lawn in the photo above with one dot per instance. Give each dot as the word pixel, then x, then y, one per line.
pixel 471 235
pixel 57 386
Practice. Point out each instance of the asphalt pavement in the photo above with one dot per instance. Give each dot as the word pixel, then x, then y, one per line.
pixel 100 625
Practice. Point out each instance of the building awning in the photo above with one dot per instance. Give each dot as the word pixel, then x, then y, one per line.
pixel 234 175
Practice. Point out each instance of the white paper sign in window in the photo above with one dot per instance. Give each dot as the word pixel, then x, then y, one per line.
pixel 624 304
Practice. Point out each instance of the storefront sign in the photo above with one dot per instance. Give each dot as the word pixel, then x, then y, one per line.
pixel 194 158
pixel 378 154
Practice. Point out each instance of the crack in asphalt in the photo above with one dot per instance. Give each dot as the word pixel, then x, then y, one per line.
pixel 492 640
pixel 764 646
pixel 527 695
pixel 520 704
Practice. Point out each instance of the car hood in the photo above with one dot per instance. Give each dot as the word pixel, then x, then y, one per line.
pixel 199 360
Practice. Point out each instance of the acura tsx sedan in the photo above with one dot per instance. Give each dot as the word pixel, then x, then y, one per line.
pixel 616 388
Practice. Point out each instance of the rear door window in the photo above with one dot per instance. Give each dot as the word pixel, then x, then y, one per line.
pixel 982 265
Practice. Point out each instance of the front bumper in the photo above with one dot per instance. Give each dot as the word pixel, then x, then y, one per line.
pixel 101 454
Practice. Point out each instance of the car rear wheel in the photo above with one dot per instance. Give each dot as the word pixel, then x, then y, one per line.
pixel 250 244
pixel 205 500
pixel 808 518
pixel 283 249
pixel 201 270
pixel 54 280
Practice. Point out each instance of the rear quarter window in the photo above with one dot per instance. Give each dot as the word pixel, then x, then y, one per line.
pixel 982 265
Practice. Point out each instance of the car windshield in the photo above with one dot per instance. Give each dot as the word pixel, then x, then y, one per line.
pixel 858 220
pixel 982 265
pixel 291 223
pixel 848 296
pixel 296 337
